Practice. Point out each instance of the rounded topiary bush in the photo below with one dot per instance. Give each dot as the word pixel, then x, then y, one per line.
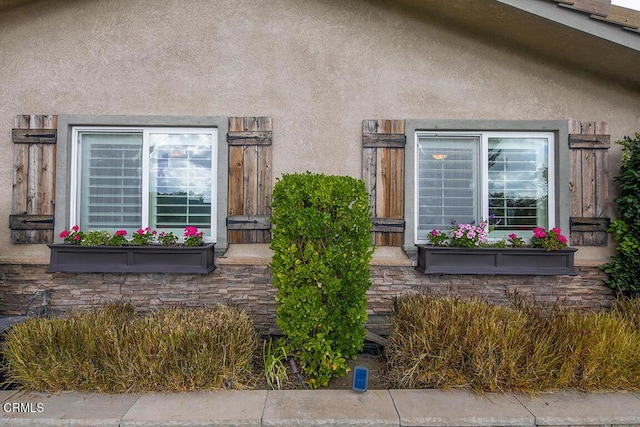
pixel 322 249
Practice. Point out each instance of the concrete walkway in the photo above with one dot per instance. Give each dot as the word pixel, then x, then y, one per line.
pixel 320 408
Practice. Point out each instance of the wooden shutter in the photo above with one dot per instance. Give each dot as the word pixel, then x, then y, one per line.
pixel 589 142
pixel 34 161
pixel 383 144
pixel 249 197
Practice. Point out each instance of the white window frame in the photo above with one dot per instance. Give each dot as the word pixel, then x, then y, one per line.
pixel 145 131
pixel 483 160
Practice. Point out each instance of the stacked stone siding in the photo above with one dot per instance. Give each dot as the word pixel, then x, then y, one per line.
pixel 585 291
pixel 249 287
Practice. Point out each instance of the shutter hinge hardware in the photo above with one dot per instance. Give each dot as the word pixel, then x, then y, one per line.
pixel 37 221
pixel 589 224
pixel 241 221
pixel 40 135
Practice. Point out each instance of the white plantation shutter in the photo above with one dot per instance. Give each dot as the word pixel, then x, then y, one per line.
pixel 518 183
pixel 447 181
pixel 507 176
pixel 163 178
pixel 110 177
pixel 180 180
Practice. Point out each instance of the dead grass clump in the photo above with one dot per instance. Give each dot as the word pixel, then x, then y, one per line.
pixel 628 309
pixel 111 350
pixel 445 341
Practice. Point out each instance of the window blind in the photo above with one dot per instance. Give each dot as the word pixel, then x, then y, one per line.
pixel 518 183
pixel 447 181
pixel 180 179
pixel 110 180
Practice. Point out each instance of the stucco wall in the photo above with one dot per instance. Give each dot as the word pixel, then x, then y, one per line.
pixel 317 67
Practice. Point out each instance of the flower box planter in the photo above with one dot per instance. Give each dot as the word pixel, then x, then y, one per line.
pixel 515 261
pixel 131 259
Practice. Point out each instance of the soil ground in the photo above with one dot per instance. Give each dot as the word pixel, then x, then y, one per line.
pixel 377 379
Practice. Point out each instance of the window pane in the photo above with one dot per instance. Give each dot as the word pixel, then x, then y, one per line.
pixel 110 177
pixel 447 181
pixel 180 179
pixel 518 183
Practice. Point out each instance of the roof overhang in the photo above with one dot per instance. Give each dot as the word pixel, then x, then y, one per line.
pixel 545 30
pixel 587 23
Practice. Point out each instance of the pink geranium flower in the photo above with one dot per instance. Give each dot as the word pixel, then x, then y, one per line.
pixel 550 241
pixel 539 233
pixel 72 236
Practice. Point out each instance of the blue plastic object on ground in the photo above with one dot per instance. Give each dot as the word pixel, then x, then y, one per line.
pixel 360 378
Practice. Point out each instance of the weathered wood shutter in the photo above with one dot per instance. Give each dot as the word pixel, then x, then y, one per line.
pixel 34 161
pixel 383 144
pixel 589 142
pixel 249 197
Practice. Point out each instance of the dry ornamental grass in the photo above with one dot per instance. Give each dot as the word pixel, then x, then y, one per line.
pixel 434 342
pixel 445 342
pixel 112 350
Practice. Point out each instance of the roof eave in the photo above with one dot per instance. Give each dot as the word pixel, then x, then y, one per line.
pixel 578 21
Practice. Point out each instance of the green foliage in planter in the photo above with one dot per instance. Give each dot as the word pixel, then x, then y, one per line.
pixel 322 250
pixel 110 349
pixel 95 238
pixel 624 266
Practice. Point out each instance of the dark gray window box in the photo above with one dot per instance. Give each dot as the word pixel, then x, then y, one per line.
pixel 131 259
pixel 521 261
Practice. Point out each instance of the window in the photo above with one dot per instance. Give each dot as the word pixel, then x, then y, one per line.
pixel 131 177
pixel 466 176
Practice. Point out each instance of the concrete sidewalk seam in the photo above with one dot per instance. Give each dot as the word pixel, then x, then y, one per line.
pixel 395 406
pixel 121 420
pixel 264 407
pixel 535 418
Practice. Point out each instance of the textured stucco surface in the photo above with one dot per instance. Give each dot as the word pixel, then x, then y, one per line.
pixel 318 67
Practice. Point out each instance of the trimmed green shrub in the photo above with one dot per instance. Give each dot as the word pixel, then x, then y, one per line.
pixel 110 349
pixel 624 266
pixel 322 249
pixel 447 341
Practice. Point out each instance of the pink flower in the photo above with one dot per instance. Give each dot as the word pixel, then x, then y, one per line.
pixel 120 233
pixel 539 233
pixel 561 238
pixel 192 231
pixel 64 234
pixel 556 230
pixel 76 237
pixel 513 236
pixel 76 228
pixel 434 233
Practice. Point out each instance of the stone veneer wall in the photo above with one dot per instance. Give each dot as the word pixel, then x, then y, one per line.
pixel 249 287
